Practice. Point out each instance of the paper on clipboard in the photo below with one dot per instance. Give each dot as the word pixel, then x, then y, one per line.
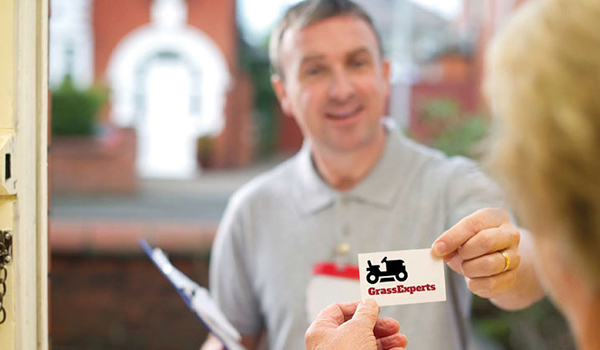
pixel 197 298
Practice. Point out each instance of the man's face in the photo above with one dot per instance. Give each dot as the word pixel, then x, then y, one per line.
pixel 334 83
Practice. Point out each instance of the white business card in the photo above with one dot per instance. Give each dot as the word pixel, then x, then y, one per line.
pixel 402 277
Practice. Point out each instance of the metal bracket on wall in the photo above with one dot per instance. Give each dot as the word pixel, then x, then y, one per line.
pixel 5 258
pixel 8 180
pixel 5 248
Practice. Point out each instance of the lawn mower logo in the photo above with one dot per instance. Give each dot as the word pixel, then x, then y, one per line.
pixel 394 268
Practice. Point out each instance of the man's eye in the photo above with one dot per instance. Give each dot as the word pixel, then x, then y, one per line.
pixel 314 71
pixel 358 63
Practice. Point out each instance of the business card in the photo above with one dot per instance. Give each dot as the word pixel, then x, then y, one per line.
pixel 402 277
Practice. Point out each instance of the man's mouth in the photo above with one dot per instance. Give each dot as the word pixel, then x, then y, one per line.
pixel 344 114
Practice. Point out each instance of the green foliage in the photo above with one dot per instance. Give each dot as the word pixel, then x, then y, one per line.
pixel 441 109
pixel 206 146
pixel 462 137
pixel 451 130
pixel 539 327
pixel 74 111
pixel 255 61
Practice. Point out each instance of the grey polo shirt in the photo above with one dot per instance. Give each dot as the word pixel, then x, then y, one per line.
pixel 283 222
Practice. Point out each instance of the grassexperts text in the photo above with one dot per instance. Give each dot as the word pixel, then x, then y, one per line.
pixel 399 289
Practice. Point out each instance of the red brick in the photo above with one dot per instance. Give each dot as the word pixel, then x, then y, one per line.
pixel 122 303
pixel 67 236
pixel 87 164
pixel 117 237
pixel 184 237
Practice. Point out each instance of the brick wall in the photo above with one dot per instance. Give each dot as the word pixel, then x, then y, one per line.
pixel 113 20
pixel 217 20
pixel 464 93
pixel 234 147
pixel 289 136
pixel 122 302
pixel 103 164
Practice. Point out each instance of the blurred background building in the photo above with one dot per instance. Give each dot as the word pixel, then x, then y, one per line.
pixel 162 108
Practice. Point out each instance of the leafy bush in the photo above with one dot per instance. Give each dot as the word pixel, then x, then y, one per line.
pixel 462 138
pixel 450 129
pixel 255 61
pixel 538 327
pixel 205 149
pixel 74 111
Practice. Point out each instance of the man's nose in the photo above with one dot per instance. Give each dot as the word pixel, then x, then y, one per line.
pixel 341 87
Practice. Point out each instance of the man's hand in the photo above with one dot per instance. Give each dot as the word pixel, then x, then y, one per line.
pixel 483 247
pixel 212 343
pixel 354 326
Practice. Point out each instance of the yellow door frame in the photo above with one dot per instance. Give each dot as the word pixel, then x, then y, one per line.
pixel 23 208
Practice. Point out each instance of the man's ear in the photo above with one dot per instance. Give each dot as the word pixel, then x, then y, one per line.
pixel 279 88
pixel 386 72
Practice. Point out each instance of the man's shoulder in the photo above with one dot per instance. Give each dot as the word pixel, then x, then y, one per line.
pixel 436 162
pixel 275 182
pixel 456 180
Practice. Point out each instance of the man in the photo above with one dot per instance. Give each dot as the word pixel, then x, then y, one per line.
pixel 357 186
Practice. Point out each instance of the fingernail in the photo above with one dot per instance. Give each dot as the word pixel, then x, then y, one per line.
pixel 439 248
pixel 368 302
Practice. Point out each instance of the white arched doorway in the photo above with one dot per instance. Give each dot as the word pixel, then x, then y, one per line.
pixel 168 102
pixel 169 81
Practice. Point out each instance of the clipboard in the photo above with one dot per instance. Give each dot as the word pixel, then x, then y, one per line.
pixel 197 298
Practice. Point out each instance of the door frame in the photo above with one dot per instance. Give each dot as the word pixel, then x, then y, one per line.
pixel 24 118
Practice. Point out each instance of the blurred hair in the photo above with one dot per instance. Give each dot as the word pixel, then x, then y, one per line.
pixel 543 81
pixel 309 12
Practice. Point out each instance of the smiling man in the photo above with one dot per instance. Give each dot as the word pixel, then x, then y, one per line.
pixel 335 83
pixel 357 186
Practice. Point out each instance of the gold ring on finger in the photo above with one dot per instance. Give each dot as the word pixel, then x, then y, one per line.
pixel 506 261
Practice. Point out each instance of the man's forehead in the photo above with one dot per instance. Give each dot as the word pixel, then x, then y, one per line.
pixel 347 32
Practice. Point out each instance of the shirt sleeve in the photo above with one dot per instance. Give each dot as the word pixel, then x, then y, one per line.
pixel 230 277
pixel 469 190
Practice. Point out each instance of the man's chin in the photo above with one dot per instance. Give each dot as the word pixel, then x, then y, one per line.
pixel 349 146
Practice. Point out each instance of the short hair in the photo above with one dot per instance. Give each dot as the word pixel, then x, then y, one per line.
pixel 309 12
pixel 544 82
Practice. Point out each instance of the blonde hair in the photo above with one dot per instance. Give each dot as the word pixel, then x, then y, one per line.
pixel 544 81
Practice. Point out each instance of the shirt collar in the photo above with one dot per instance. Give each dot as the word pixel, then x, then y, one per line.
pixel 378 188
pixel 314 193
